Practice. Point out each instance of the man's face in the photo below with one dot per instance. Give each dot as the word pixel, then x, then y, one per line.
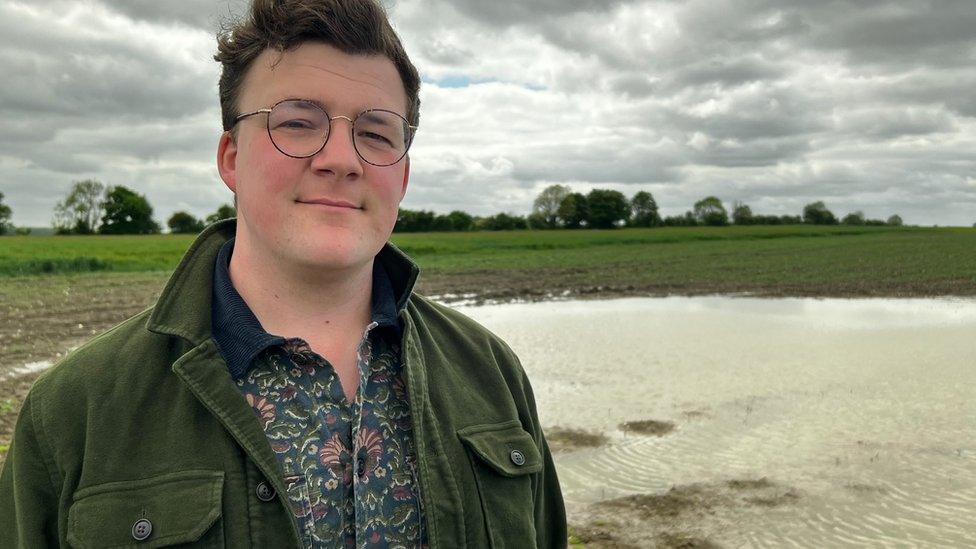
pixel 283 203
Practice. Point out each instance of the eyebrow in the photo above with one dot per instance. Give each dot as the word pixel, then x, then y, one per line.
pixel 322 106
pixel 303 100
pixel 370 117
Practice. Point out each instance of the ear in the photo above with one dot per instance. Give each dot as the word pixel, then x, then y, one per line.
pixel 406 177
pixel 227 160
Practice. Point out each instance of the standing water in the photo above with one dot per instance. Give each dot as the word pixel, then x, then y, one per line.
pixel 796 422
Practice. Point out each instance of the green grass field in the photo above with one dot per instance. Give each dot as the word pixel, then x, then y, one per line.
pixel 806 260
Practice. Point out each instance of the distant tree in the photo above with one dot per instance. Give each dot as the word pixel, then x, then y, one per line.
pixel 537 221
pixel 546 205
pixel 442 223
pixel 895 221
pixel 686 220
pixel 607 208
pixel 742 214
pixel 853 218
pixel 127 212
pixel 643 210
pixel 461 221
pixel 225 211
pixel 816 213
pixel 81 211
pixel 414 221
pixel 184 223
pixel 5 214
pixel 22 231
pixel 710 211
pixel 504 222
pixel 574 210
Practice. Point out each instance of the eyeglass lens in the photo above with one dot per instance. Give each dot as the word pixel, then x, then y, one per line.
pixel 300 128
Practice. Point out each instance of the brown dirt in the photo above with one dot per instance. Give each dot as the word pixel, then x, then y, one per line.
pixel 562 439
pixel 648 427
pixel 684 516
pixel 41 318
pixel 596 537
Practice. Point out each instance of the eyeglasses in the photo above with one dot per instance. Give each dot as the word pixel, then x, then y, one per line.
pixel 299 128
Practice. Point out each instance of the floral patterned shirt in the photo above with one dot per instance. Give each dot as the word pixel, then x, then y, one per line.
pixel 349 468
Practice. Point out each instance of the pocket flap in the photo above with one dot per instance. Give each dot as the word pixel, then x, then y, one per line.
pixel 179 508
pixel 505 447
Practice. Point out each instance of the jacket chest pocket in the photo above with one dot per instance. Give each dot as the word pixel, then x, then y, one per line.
pixel 159 511
pixel 504 457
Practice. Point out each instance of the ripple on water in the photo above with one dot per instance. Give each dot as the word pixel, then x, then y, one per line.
pixel 864 407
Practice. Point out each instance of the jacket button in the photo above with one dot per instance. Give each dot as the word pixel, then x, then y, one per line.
pixel 518 458
pixel 141 529
pixel 265 491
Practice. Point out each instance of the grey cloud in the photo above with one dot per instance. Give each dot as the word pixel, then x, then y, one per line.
pixel 608 162
pixel 440 51
pixel 905 34
pixel 52 70
pixel 756 152
pixel 766 112
pixel 949 87
pixel 887 123
pixel 632 84
pixel 727 72
pixel 204 14
pixel 511 12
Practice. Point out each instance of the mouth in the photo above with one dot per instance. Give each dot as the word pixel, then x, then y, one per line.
pixel 342 204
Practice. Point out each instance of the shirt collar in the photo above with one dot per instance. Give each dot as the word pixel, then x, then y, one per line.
pixel 238 333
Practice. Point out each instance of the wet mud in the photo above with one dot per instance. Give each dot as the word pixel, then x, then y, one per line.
pixel 685 516
pixel 648 427
pixel 564 439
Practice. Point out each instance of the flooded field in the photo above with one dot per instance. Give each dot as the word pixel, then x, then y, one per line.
pixel 757 422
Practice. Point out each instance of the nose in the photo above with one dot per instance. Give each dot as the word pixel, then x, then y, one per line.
pixel 339 157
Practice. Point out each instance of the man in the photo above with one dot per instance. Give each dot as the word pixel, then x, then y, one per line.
pixel 288 389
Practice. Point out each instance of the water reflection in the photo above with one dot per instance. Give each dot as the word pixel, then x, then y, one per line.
pixel 861 411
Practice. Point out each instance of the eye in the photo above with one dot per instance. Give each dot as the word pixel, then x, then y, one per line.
pixel 296 124
pixel 374 138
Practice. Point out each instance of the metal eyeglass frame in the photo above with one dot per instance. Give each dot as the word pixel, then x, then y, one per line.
pixel 352 124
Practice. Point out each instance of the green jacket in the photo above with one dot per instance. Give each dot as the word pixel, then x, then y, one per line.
pixel 144 422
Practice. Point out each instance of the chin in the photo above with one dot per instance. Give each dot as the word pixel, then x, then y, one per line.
pixel 334 255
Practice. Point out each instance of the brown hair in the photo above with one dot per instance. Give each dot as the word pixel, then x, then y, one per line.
pixel 358 27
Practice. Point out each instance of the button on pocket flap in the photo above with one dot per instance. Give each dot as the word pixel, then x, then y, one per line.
pixel 505 447
pixel 152 512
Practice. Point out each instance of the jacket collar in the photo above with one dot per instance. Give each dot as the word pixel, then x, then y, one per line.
pixel 184 306
pixel 239 335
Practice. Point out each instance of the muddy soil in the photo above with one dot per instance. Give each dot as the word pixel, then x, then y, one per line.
pixel 683 517
pixel 563 439
pixel 648 427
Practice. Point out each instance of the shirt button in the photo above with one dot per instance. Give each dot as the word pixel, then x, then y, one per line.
pixel 518 458
pixel 141 529
pixel 265 491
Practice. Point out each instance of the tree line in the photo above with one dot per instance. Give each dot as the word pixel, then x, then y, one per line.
pixel 91 207
pixel 557 207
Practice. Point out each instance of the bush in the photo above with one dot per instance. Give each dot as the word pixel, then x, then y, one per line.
pixel 184 223
pixel 816 213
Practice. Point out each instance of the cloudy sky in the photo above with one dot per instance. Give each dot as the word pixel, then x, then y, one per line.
pixel 867 105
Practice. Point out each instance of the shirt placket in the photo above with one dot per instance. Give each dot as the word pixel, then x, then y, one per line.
pixel 363 360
